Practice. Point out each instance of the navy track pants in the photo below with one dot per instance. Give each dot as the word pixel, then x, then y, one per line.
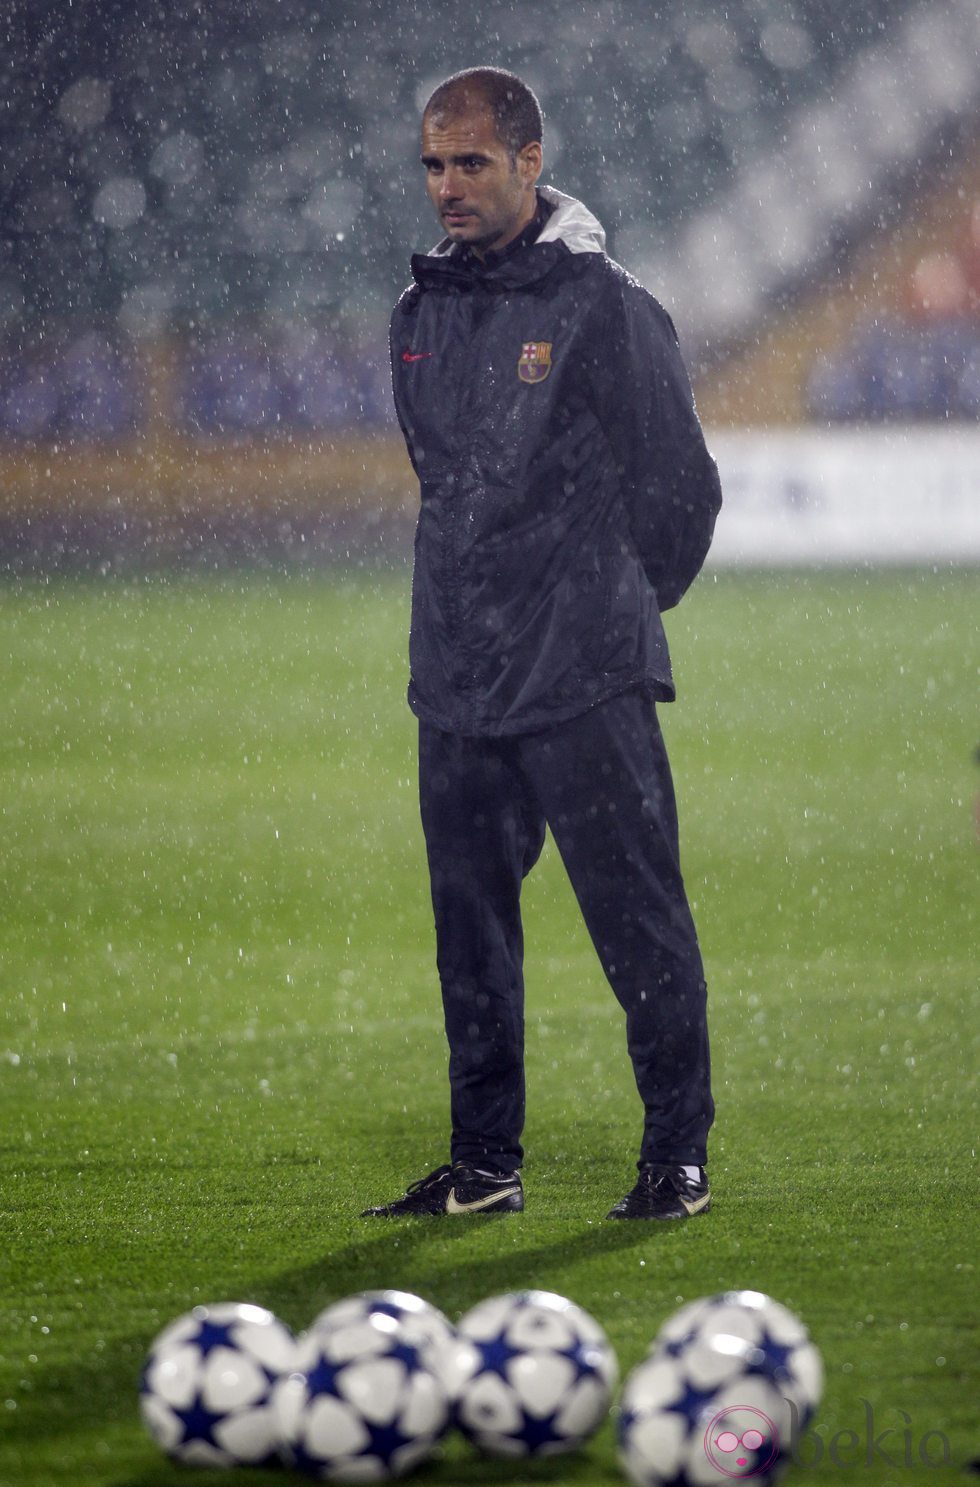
pixel 602 783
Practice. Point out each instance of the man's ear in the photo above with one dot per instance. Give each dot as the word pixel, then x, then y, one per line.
pixel 530 162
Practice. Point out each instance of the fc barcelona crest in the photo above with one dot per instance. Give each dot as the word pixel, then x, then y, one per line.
pixel 535 362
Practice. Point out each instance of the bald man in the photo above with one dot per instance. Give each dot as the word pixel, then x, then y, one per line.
pixel 567 499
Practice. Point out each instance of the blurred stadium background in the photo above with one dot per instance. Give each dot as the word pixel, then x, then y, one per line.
pixel 206 212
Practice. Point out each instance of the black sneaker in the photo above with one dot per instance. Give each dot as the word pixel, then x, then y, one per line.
pixel 456 1189
pixel 664 1192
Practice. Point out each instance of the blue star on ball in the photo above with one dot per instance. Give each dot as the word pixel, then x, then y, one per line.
pixel 775 1357
pixel 537 1432
pixel 199 1423
pixel 496 1354
pixel 211 1335
pixel 691 1403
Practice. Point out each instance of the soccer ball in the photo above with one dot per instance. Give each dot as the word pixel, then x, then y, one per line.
pixel 362 1404
pixel 708 1412
pixel 536 1375
pixel 205 1391
pixel 423 1324
pixel 771 1328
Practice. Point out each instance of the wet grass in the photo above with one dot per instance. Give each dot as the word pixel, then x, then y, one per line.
pixel 220 1036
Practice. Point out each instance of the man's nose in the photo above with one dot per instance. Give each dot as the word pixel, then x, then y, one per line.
pixel 449 185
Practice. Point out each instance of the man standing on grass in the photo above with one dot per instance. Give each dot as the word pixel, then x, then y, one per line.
pixel 567 498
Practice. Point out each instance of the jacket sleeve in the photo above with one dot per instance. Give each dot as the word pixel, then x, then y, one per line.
pixel 642 398
pixel 394 335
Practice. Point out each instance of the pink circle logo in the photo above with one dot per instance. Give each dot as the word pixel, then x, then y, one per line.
pixel 741 1441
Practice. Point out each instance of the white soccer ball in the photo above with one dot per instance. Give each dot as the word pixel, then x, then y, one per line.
pixel 423 1324
pixel 706 1413
pixel 536 1375
pixel 207 1384
pixel 362 1404
pixel 787 1350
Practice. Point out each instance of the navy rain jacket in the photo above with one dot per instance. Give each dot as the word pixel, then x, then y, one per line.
pixel 567 496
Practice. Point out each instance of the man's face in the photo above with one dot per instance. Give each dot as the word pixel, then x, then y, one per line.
pixel 481 195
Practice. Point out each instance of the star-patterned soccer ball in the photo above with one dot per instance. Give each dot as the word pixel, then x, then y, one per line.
pixel 362 1404
pixel 771 1328
pixel 536 1375
pixel 205 1392
pixel 709 1412
pixel 423 1324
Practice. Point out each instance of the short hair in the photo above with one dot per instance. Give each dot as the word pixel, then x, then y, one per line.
pixel 516 112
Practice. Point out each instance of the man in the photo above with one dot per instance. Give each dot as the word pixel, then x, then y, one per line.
pixel 566 499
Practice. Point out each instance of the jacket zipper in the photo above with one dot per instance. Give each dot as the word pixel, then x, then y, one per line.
pixel 461 664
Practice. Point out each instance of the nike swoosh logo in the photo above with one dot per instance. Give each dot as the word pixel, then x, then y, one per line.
pixel 415 355
pixel 695 1205
pixel 453 1204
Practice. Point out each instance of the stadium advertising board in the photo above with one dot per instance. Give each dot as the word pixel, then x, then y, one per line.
pixel 886 495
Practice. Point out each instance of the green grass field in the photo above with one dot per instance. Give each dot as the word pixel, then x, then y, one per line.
pixel 221 1034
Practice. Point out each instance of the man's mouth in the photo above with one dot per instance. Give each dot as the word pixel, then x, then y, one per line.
pixel 456 216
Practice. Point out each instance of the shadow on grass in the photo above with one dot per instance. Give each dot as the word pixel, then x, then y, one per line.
pixel 577 1466
pixel 168 1472
pixel 448 1258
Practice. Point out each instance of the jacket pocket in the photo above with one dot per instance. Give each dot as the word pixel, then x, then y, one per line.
pixel 591 599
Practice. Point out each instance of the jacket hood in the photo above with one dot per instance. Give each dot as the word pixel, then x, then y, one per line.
pixel 570 223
